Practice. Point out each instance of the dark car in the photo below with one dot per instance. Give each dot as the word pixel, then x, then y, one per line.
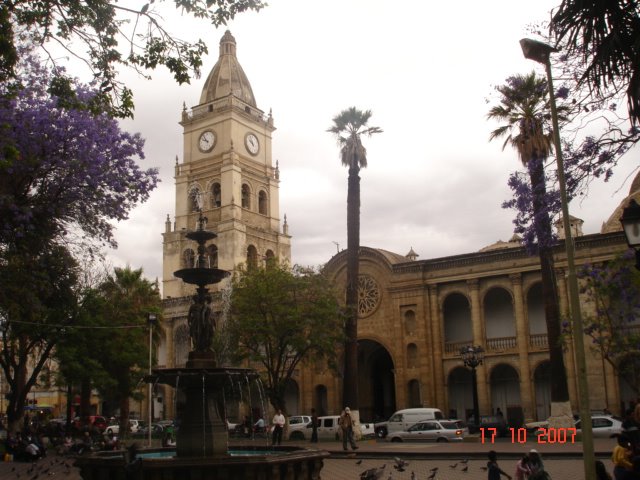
pixel 95 421
pixel 489 421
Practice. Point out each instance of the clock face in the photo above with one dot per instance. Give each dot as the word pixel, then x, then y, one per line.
pixel 207 141
pixel 252 143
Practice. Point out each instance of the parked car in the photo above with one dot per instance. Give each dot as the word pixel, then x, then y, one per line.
pixel 134 426
pixel 431 431
pixel 297 427
pixel 490 421
pixel 329 428
pixel 602 425
pixel 403 419
pixel 97 421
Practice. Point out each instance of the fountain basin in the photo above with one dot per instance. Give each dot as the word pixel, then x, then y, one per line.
pixel 281 463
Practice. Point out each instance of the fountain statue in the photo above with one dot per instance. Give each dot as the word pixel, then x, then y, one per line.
pixel 202 449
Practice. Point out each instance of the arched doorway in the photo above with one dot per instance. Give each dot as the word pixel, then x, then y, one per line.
pixel 505 393
pixel 320 402
pixel 376 388
pixel 460 393
pixel 628 378
pixel 291 397
pixel 542 385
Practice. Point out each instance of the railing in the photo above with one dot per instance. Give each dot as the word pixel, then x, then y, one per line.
pixel 501 344
pixel 453 348
pixel 539 341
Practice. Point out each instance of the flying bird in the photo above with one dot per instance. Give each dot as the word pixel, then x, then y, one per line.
pixel 464 460
pixel 359 462
pixel 433 475
pixel 453 466
pixel 466 467
pixel 434 469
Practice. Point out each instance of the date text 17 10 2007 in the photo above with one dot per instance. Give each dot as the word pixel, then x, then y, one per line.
pixel 543 435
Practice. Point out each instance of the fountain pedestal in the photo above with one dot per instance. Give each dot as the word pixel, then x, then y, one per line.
pixel 202 431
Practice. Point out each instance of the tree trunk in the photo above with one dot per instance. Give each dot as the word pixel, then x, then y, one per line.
pixel 350 379
pixel 559 387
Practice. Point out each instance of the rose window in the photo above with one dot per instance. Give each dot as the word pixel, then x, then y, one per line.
pixel 368 295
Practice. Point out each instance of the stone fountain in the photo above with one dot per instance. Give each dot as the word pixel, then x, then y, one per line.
pixel 202 450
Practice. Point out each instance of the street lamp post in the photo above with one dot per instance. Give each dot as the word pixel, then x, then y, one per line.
pixel 541 53
pixel 151 320
pixel 630 220
pixel 472 357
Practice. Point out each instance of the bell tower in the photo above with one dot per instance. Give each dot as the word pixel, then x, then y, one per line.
pixel 227 170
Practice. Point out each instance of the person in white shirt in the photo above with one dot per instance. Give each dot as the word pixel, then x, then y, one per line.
pixel 278 427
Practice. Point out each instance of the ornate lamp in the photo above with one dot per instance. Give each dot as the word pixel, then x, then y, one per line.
pixel 472 356
pixel 630 220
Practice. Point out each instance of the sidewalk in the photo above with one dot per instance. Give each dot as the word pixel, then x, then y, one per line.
pixel 562 461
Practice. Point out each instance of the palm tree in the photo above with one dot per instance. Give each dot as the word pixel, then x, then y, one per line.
pixel 525 109
pixel 348 127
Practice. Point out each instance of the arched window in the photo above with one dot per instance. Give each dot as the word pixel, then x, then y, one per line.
pixel 182 345
pixel 412 355
pixel 252 257
pixel 216 195
pixel 270 258
pixel 410 322
pixel 212 254
pixel 262 202
pixel 246 196
pixel 194 193
pixel 413 391
pixel 189 258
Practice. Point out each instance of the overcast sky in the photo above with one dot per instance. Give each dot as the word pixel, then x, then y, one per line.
pixel 425 69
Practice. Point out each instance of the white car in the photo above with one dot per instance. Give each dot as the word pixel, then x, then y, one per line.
pixel 602 425
pixel 431 431
pixel 134 426
pixel 297 427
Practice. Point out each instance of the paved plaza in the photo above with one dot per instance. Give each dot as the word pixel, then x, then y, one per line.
pixel 563 462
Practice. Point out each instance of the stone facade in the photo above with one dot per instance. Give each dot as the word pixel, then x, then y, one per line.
pixel 415 315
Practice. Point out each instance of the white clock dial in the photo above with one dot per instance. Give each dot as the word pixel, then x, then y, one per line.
pixel 252 143
pixel 207 141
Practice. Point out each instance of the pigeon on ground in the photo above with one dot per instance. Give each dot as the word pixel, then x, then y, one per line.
pixel 400 464
pixel 373 473
pixel 466 467
pixel 359 462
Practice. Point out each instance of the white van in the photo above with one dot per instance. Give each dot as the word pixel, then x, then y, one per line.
pixel 403 419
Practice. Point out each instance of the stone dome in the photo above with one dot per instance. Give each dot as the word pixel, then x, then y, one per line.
pixel 613 223
pixel 227 76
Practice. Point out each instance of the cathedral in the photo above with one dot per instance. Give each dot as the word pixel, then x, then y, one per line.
pixel 414 315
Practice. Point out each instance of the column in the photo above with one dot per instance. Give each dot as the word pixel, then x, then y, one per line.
pixel 569 359
pixel 436 345
pixel 478 339
pixel 522 335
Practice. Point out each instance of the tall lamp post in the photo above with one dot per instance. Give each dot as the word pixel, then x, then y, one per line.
pixel 541 53
pixel 630 220
pixel 152 318
pixel 472 357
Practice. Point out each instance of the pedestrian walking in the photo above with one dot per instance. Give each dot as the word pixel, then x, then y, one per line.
pixel 346 425
pixel 493 470
pixel 523 468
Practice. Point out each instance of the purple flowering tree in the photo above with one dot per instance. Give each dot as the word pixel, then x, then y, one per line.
pixel 612 292
pixel 523 105
pixel 66 172
pixel 65 169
